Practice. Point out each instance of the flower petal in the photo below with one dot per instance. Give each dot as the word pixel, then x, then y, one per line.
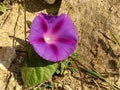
pixel 58 23
pixel 65 49
pixel 39 25
pixel 63 24
pixel 40 40
pixel 54 38
pixel 67 40
pixel 49 18
pixel 48 52
pixel 40 48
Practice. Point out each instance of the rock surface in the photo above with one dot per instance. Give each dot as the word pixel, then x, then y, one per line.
pixel 7 55
pixel 94 20
pixel 7 79
pixel 3 78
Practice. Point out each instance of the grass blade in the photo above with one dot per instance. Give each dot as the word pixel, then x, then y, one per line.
pixel 115 38
pixel 97 75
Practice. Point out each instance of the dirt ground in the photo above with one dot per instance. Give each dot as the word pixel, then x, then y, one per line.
pixel 94 20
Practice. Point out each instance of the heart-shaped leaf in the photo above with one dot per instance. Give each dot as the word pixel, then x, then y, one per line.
pixel 37 70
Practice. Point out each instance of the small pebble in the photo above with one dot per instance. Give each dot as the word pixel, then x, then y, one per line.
pixel 67 87
pixel 50 1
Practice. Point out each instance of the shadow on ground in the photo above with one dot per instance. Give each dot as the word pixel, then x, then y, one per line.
pixel 39 5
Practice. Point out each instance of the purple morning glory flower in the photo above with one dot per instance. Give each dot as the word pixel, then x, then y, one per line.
pixel 54 38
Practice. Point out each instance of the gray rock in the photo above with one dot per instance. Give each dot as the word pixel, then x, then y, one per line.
pixel 4 74
pixel 67 87
pixel 7 55
pixel 7 79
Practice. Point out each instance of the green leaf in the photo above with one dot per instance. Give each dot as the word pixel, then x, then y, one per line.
pixel 38 70
pixel 2 7
pixel 115 38
pixel 28 23
pixel 64 65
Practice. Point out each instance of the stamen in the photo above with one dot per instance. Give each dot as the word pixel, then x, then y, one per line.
pixel 48 39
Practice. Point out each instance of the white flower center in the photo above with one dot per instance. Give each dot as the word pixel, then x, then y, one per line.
pixel 47 39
